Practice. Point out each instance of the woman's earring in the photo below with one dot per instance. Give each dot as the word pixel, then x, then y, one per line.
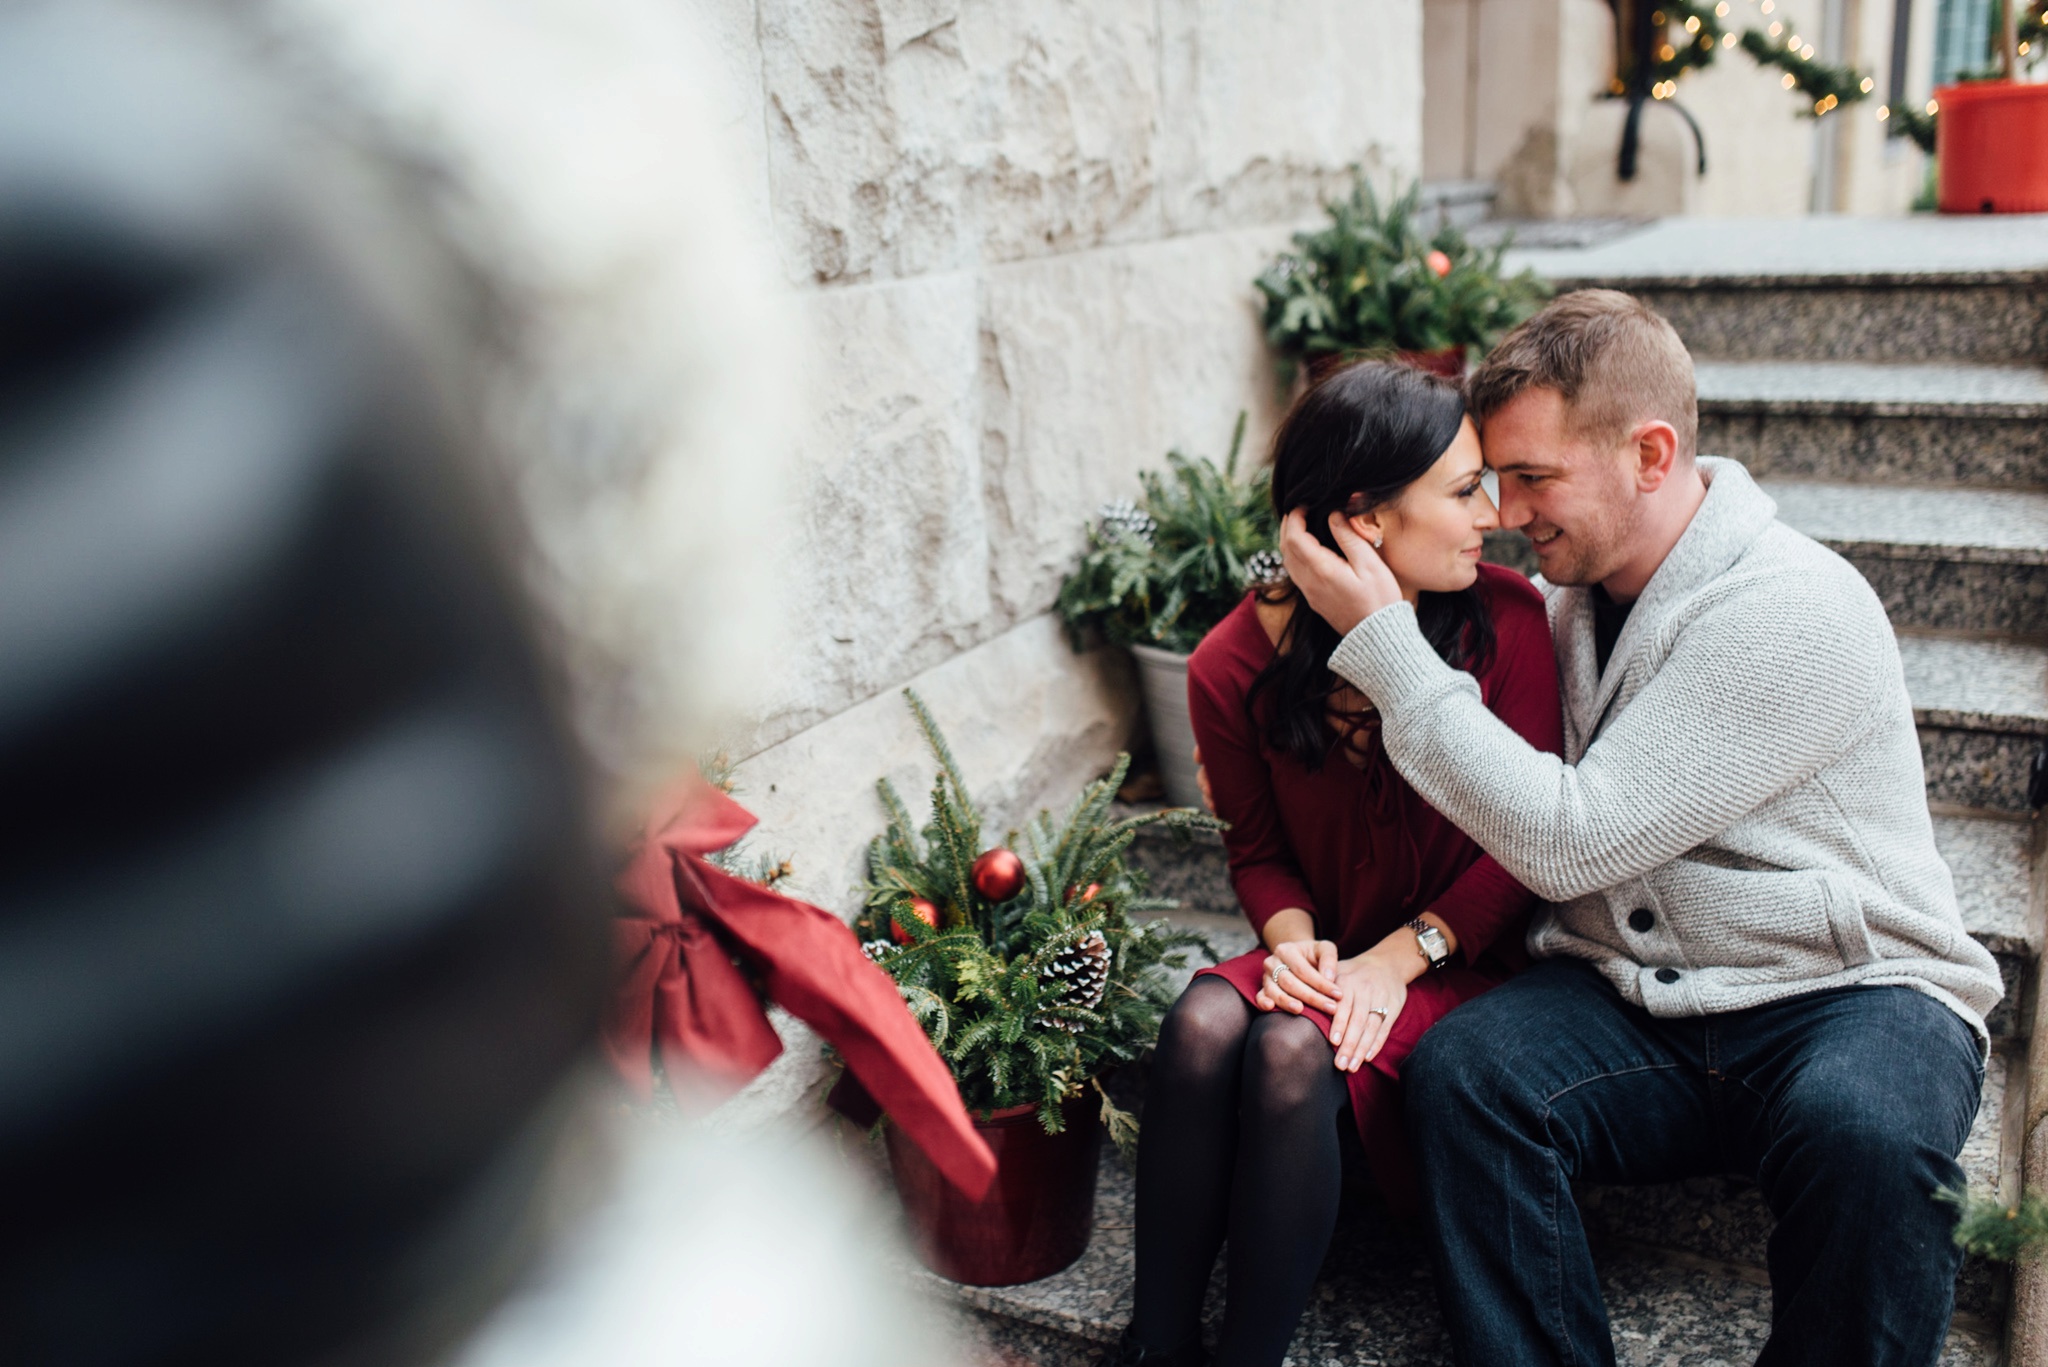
pixel 1378 539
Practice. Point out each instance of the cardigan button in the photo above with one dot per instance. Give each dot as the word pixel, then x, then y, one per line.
pixel 1667 975
pixel 1640 921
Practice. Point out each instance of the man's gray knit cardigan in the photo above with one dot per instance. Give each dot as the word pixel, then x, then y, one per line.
pixel 1746 771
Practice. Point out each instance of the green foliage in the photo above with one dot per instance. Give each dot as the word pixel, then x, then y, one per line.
pixel 1828 87
pixel 1989 1228
pixel 1692 32
pixel 1364 286
pixel 1165 571
pixel 1029 1000
pixel 1917 124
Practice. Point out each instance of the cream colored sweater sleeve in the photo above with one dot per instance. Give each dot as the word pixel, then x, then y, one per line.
pixel 1757 693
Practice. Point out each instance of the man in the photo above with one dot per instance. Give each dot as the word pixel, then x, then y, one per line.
pixel 1753 962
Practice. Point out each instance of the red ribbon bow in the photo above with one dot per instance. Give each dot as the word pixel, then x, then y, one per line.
pixel 684 921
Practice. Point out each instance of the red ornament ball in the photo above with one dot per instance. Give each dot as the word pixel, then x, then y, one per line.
pixel 1439 263
pixel 1087 894
pixel 924 911
pixel 998 875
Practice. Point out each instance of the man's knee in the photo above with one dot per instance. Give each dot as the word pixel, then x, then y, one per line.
pixel 1865 1099
pixel 1456 1066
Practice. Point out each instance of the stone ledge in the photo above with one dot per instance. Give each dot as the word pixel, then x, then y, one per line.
pixel 1732 253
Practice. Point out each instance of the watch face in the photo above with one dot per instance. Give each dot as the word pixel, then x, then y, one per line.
pixel 1433 944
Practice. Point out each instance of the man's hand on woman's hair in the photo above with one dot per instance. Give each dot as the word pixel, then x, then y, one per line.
pixel 1344 589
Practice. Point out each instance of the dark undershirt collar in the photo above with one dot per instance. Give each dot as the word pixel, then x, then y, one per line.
pixel 1609 617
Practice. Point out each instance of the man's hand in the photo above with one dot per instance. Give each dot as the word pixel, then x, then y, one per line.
pixel 1343 590
pixel 1300 973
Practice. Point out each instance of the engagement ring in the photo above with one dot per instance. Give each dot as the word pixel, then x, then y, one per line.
pixel 1379 1010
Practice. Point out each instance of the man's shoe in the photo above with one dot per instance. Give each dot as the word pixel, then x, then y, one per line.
pixel 1127 1353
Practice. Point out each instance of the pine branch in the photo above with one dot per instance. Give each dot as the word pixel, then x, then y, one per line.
pixel 1121 1124
pixel 1991 1229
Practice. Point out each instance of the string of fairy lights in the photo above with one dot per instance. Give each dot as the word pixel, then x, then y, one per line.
pixel 1696 31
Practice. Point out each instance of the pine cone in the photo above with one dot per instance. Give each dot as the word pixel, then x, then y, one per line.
pixel 1263 568
pixel 1121 517
pixel 1078 977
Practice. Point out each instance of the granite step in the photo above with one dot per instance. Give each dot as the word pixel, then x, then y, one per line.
pixel 1946 559
pixel 1725 1218
pixel 1989 855
pixel 1973 425
pixel 1375 1303
pixel 1982 709
pixel 1906 290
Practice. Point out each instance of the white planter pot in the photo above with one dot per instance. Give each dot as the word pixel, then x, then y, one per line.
pixel 1164 677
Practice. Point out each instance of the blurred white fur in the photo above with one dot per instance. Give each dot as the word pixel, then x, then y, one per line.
pixel 638 372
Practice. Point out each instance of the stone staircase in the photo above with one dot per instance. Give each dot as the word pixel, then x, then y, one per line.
pixel 1884 381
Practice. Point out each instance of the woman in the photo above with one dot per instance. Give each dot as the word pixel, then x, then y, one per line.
pixel 1354 884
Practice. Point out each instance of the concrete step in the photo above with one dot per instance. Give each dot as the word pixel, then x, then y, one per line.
pixel 1982 709
pixel 1823 288
pixel 1375 1303
pixel 1945 559
pixel 1991 859
pixel 1975 425
pixel 1456 203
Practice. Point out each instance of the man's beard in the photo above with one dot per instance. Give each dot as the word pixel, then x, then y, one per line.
pixel 1596 550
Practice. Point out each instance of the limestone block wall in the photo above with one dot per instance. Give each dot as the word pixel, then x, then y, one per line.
pixel 818 328
pixel 1020 238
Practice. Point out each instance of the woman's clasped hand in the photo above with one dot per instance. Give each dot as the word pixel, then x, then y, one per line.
pixel 1362 995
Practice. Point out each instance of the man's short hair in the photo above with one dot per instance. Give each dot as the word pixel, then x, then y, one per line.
pixel 1613 358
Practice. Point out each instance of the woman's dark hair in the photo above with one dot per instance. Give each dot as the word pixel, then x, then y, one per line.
pixel 1352 443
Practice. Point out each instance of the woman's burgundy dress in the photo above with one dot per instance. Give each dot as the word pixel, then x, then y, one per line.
pixel 1360 850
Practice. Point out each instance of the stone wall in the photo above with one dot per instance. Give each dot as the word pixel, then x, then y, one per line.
pixel 1021 238
pixel 824 325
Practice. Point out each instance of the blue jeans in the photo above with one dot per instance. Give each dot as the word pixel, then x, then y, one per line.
pixel 1848 1108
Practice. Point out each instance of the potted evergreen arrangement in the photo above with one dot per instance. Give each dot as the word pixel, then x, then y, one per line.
pixel 1027 971
pixel 1158 574
pixel 1374 284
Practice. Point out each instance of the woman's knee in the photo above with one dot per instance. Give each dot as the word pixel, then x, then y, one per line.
pixel 1289 1062
pixel 1205 1029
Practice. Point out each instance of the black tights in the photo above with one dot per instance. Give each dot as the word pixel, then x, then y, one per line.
pixel 1240 1137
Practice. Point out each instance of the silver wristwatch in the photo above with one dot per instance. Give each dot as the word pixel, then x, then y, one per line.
pixel 1430 943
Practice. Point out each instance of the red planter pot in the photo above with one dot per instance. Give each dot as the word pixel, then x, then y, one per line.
pixel 1037 1215
pixel 1991 141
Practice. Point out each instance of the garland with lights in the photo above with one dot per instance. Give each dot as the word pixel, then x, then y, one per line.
pixel 1682 36
pixel 1917 124
pixel 1827 86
